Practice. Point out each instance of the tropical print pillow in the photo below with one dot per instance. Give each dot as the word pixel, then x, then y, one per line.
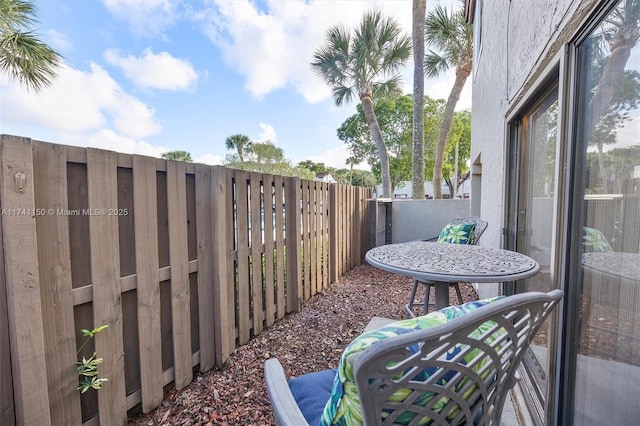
pixel 457 234
pixel 594 241
pixel 343 407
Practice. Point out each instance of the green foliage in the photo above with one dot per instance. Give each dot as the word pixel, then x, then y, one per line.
pixel 239 142
pixel 265 157
pixel 178 156
pixel 395 116
pixel 88 367
pixel 23 57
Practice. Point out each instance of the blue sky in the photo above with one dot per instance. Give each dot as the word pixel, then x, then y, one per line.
pixel 148 76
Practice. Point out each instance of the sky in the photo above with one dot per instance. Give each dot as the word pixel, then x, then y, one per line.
pixel 151 76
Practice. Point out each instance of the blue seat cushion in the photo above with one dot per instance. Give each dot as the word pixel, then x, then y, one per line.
pixel 311 392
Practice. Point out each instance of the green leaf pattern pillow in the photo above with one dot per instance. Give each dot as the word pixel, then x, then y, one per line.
pixel 594 241
pixel 343 407
pixel 457 234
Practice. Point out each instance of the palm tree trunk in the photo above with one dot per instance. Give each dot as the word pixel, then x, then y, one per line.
pixel 374 127
pixel 454 96
pixel 417 159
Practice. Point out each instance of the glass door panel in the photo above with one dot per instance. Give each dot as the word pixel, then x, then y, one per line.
pixel 532 183
pixel 606 222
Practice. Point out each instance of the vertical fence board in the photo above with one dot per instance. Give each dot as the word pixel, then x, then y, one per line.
pixel 293 244
pixel 148 285
pixel 270 308
pixel 256 253
pixel 54 258
pixel 223 277
pixel 280 231
pixel 333 233
pixel 242 214
pixel 306 246
pixel 204 236
pixel 313 225
pixel 7 412
pixel 180 286
pixel 22 283
pixel 325 234
pixel 105 273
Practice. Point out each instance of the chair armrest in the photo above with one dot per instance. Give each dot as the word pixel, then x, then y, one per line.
pixel 285 408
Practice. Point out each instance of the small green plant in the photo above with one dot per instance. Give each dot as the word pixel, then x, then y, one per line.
pixel 88 368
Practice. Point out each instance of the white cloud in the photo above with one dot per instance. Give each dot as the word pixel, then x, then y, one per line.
pixel 268 133
pixel 210 159
pixel 156 71
pixel 274 48
pixel 146 18
pixel 108 139
pixel 79 101
pixel 59 41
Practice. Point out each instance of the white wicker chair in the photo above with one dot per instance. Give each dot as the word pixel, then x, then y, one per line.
pixel 474 390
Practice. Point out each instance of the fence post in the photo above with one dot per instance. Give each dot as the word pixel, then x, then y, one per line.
pixel 293 243
pixel 22 282
pixel 223 280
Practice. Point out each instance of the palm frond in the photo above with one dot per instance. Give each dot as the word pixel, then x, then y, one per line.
pixel 28 60
pixel 342 94
pixel 15 14
pixel 435 64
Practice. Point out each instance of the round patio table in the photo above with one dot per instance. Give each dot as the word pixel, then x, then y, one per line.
pixel 443 263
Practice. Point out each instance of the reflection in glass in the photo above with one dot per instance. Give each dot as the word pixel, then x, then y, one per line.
pixel 608 360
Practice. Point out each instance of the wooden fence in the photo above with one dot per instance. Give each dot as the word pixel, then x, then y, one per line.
pixel 183 261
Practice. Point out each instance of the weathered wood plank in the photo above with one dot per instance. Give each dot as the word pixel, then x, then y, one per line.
pixel 7 412
pixel 293 244
pixel 257 296
pixel 179 260
pixel 147 281
pixel 54 258
pixel 334 234
pixel 22 282
pixel 313 231
pixel 205 240
pixel 269 246
pixel 105 271
pixel 280 268
pixel 306 243
pixel 242 223
pixel 222 270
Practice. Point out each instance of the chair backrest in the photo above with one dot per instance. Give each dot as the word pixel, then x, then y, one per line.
pixel 456 373
pixel 480 226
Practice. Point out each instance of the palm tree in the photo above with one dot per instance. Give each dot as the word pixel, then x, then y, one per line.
pixel 453 37
pixel 367 62
pixel 23 56
pixel 178 156
pixel 240 143
pixel 417 152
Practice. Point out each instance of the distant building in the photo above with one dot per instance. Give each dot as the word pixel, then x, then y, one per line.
pixel 325 177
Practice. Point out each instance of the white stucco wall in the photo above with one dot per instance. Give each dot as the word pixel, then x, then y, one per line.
pixel 520 41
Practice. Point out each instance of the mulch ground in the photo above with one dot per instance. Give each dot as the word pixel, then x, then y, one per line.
pixel 307 341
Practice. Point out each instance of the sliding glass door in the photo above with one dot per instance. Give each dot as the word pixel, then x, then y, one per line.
pixel 603 350
pixel 532 181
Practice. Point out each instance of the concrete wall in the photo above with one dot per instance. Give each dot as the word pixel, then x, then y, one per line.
pixel 521 41
pixel 422 219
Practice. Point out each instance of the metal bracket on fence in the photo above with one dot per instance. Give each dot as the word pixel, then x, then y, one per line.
pixel 21 182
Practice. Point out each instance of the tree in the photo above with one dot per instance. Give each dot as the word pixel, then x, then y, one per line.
pixel 178 156
pixel 367 63
pixel 417 157
pixel 23 56
pixel 453 37
pixel 455 169
pixel 238 142
pixel 265 157
pixel 394 116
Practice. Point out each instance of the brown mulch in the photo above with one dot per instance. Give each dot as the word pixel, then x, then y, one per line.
pixel 307 341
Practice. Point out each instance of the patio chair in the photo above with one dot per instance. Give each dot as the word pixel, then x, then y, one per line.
pixel 479 227
pixel 454 366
